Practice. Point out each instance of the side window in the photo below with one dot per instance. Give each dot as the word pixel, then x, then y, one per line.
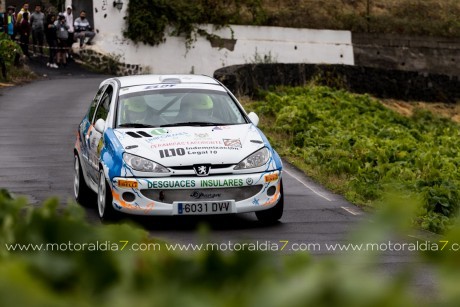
pixel 92 108
pixel 104 104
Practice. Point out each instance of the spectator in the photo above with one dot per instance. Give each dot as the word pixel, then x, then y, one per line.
pixel 24 33
pixel 62 37
pixel 2 22
pixel 25 9
pixel 69 21
pixel 51 38
pixel 37 21
pixel 83 29
pixel 10 22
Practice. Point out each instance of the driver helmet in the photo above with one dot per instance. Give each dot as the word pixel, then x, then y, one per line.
pixel 198 104
pixel 135 109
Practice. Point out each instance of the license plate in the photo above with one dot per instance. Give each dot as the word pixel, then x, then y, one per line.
pixel 205 207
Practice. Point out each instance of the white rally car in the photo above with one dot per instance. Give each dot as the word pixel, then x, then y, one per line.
pixel 175 145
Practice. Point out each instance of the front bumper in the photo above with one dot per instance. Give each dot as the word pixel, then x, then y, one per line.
pixel 159 196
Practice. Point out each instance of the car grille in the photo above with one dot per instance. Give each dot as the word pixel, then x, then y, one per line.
pixel 172 195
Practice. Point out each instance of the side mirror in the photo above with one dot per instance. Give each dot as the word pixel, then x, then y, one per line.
pixel 100 125
pixel 254 118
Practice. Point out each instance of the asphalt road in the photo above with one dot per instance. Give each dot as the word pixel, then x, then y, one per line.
pixel 38 123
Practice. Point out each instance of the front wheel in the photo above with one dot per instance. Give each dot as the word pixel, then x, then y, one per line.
pixel 272 215
pixel 104 198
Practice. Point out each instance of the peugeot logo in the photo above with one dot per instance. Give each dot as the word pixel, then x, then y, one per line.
pixel 202 170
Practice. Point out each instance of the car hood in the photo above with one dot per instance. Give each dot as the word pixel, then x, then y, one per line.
pixel 189 145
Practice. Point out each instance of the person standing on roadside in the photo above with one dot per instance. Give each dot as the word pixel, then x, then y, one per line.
pixel 2 22
pixel 83 29
pixel 69 21
pixel 62 38
pixel 37 21
pixel 10 22
pixel 24 33
pixel 51 38
pixel 20 16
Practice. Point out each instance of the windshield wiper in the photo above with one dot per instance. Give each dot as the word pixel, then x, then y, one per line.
pixel 136 125
pixel 193 124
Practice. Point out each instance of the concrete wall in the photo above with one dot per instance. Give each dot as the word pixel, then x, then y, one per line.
pixel 269 44
pixel 411 53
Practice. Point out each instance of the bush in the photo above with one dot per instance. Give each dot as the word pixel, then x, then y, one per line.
pixel 123 277
pixel 334 134
pixel 9 53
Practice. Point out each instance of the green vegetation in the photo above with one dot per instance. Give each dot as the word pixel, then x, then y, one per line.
pixel 10 53
pixel 150 21
pixel 114 277
pixel 361 149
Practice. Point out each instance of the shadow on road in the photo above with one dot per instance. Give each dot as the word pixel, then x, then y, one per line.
pixel 38 65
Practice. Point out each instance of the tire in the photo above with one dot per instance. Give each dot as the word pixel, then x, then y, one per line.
pixel 104 199
pixel 82 193
pixel 272 215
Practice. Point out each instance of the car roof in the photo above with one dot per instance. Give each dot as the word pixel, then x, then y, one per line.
pixel 155 79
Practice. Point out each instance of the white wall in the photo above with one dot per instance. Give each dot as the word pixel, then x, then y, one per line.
pixel 281 45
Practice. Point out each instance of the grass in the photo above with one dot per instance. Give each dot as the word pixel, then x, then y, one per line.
pixel 362 148
pixel 17 76
pixel 427 17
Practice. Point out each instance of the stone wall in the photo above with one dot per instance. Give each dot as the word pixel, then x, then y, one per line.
pixel 412 53
pixel 109 64
pixel 404 85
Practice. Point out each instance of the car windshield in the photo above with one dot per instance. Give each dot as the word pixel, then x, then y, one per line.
pixel 177 107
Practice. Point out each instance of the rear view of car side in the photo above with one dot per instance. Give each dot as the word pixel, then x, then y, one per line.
pixel 175 145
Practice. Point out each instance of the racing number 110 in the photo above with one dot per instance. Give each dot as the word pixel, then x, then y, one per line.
pixel 172 152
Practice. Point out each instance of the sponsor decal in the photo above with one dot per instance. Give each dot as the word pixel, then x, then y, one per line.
pixel 201 136
pixel 171 184
pixel 192 183
pixel 232 143
pixel 220 128
pixel 271 177
pixel 202 170
pixel 127 184
pixel 198 151
pixel 200 195
pixel 249 181
pixel 186 143
pixel 159 131
pixel 211 183
pixel 165 136
pixel 152 87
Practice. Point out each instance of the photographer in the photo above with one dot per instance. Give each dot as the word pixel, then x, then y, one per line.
pixel 83 29
pixel 62 38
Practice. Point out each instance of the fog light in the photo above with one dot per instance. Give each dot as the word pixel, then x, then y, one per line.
pixel 129 197
pixel 271 191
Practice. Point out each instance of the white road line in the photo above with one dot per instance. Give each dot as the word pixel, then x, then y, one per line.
pixel 306 185
pixel 351 210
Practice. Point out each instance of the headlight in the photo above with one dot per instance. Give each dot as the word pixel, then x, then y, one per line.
pixel 143 165
pixel 257 159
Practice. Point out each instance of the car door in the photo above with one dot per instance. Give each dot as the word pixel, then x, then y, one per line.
pixel 94 137
pixel 86 129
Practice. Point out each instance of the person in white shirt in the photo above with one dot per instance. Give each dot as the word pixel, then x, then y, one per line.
pixel 69 21
pixel 83 29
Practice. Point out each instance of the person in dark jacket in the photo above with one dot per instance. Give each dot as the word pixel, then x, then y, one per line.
pixel 51 38
pixel 24 33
